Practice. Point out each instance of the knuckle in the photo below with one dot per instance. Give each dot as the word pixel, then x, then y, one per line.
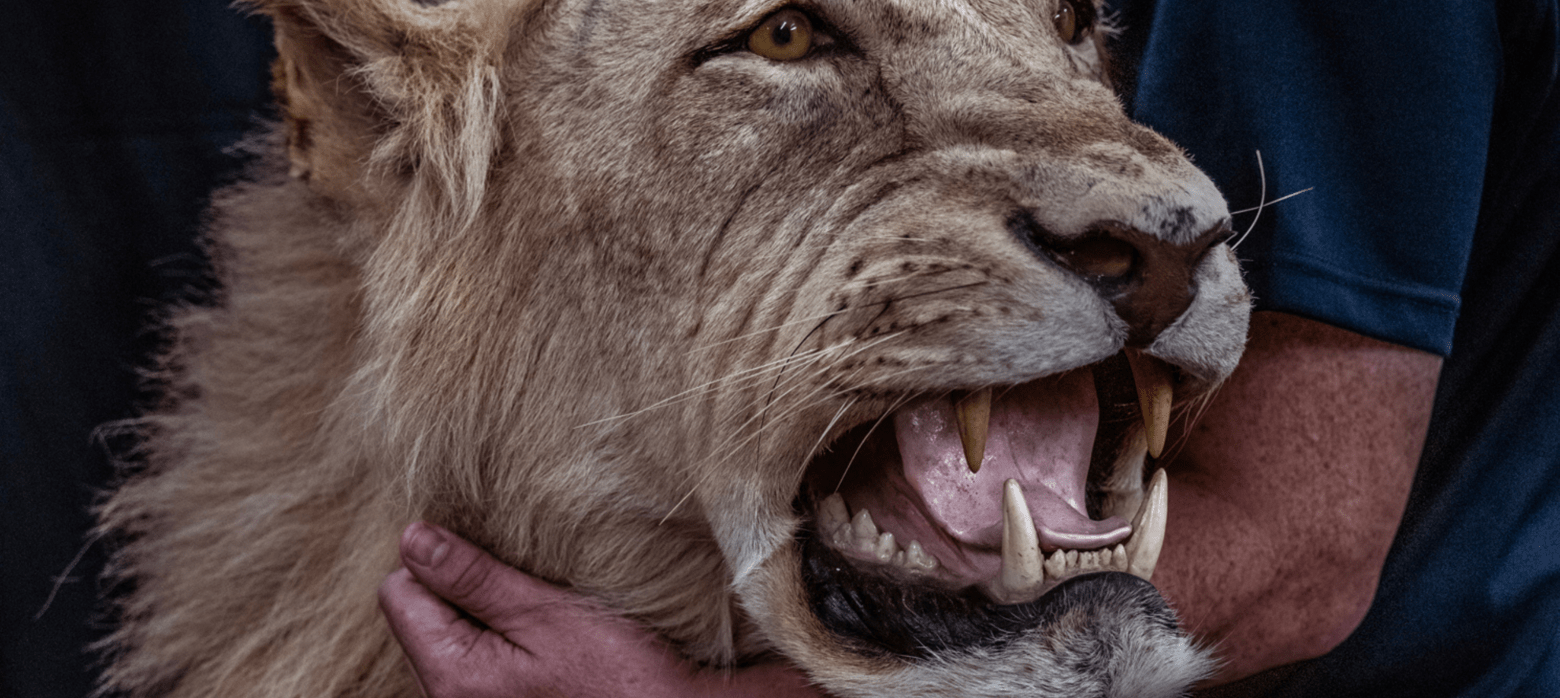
pixel 469 584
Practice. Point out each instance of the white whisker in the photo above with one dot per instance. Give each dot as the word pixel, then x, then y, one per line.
pixel 737 440
pixel 892 409
pixel 1285 197
pixel 753 373
pixel 893 279
pixel 1261 202
pixel 848 404
pixel 782 325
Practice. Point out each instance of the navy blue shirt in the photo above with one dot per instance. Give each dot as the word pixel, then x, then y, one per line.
pixel 1428 135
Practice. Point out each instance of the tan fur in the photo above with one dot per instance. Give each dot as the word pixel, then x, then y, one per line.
pixel 548 275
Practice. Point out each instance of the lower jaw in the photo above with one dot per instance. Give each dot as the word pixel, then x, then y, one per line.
pixel 878 614
pixel 1024 572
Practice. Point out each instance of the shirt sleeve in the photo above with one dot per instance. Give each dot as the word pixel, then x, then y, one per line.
pixel 1379 112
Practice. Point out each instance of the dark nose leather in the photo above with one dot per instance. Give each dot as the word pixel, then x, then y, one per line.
pixel 1148 280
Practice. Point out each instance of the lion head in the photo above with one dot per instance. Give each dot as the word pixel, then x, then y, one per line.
pixel 841 329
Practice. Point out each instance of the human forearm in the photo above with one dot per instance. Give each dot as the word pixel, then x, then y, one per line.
pixel 1286 494
pixel 1261 600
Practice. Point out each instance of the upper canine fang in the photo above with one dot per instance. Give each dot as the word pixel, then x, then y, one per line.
pixel 973 415
pixel 1155 395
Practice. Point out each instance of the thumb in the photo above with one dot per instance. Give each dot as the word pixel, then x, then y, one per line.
pixel 468 577
pixel 449 655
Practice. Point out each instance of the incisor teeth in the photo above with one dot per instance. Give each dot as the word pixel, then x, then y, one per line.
pixel 1056 564
pixel 973 415
pixel 1022 574
pixel 1148 528
pixel 1089 561
pixel 1155 394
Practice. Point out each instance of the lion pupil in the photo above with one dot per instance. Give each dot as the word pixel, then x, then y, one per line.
pixel 782 34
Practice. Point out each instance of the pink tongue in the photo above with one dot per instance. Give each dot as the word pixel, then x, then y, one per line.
pixel 1041 435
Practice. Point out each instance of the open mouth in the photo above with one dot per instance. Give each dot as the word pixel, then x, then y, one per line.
pixel 995 497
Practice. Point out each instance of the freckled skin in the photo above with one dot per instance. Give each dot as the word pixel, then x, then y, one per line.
pixel 1287 492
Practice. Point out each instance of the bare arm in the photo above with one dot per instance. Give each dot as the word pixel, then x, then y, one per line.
pixel 1286 494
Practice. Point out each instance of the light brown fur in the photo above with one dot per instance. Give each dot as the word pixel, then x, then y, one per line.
pixel 526 270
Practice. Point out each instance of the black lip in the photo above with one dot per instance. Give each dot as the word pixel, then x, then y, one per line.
pixel 879 613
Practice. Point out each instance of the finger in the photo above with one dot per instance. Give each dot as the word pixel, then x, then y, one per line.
pixel 500 596
pixel 423 624
pixel 450 656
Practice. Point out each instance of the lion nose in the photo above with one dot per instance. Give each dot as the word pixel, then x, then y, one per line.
pixel 1147 279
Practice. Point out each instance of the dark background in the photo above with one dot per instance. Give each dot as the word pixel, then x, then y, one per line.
pixel 115 119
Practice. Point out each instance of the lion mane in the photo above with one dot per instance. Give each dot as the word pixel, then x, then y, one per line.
pixel 600 287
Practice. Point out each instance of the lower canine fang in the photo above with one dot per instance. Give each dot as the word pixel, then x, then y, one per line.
pixel 1148 528
pixel 1022 573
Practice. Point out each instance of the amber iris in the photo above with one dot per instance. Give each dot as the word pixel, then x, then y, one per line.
pixel 784 36
pixel 1071 22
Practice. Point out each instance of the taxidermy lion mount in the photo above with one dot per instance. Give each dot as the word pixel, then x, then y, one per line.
pixel 839 329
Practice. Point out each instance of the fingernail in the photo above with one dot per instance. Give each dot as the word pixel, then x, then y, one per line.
pixel 425 545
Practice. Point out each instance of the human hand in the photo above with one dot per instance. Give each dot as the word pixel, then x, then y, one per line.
pixel 539 640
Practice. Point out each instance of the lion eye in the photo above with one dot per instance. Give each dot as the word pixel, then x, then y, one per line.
pixel 784 36
pixel 1074 19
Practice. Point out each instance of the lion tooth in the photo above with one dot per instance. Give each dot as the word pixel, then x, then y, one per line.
pixel 832 512
pixel 1022 572
pixel 863 531
pixel 885 547
pixel 1148 528
pixel 914 559
pixel 1155 394
pixel 974 419
pixel 917 559
pixel 1056 565
pixel 843 538
pixel 834 522
pixel 1118 558
pixel 1088 561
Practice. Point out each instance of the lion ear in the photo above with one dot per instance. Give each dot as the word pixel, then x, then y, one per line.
pixel 388 88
